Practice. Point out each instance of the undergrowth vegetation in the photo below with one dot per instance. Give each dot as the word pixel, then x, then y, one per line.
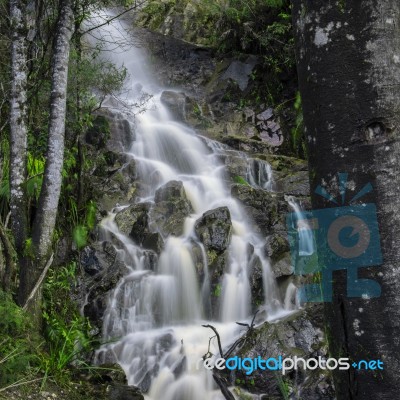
pixel 26 355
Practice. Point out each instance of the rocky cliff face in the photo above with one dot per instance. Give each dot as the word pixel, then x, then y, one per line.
pixel 252 143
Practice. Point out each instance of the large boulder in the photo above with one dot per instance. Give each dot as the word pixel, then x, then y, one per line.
pixel 300 334
pixel 170 209
pixel 102 270
pixel 99 133
pixel 276 245
pixel 134 222
pixel 176 103
pixel 267 210
pixel 111 178
pixel 214 229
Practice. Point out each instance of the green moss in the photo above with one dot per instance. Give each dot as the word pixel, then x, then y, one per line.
pixel 217 290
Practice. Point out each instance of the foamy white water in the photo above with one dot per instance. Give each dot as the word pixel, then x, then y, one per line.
pixel 154 316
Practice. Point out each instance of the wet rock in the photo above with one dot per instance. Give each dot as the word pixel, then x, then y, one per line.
pixel 176 103
pixel 133 221
pixel 122 131
pixel 124 392
pixel 296 183
pixel 98 134
pixel 214 229
pixel 170 209
pixel 112 178
pixel 248 145
pixel 300 334
pixel 94 289
pixel 89 261
pixel 267 210
pixel 275 245
pixel 256 281
pixel 235 165
pixel 153 241
pixel 283 266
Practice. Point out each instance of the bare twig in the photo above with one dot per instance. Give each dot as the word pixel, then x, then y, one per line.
pixel 39 282
pixel 218 338
pixel 115 17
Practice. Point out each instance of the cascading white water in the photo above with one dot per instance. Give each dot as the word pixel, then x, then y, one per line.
pixel 306 238
pixel 154 317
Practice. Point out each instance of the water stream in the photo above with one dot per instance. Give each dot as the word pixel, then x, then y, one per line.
pixel 152 325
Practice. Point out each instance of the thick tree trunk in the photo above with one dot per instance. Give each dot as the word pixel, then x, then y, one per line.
pixel 348 55
pixel 45 218
pixel 18 126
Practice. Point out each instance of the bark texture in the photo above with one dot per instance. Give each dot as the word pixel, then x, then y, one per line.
pixel 18 125
pixel 348 55
pixel 45 218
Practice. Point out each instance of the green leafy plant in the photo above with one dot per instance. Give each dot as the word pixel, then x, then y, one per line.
pixel 66 331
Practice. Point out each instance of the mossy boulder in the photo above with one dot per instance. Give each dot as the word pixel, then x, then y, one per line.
pixel 267 210
pixel 133 221
pixel 300 334
pixel 276 245
pixel 170 209
pixel 214 229
pixel 95 288
pixel 99 133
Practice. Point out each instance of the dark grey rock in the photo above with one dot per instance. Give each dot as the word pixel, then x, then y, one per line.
pixel 275 245
pixel 176 103
pixel 240 71
pixel 94 289
pixel 124 392
pixel 293 183
pixel 89 261
pixel 153 241
pixel 214 229
pixel 299 334
pixel 98 134
pixel 170 209
pixel 266 114
pixel 133 221
pixel 267 210
pixel 283 266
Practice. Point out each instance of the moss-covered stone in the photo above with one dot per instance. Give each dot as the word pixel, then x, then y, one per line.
pixel 98 134
pixel 214 229
pixel 170 209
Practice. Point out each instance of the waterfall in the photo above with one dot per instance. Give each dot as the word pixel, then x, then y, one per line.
pixel 306 237
pixel 152 325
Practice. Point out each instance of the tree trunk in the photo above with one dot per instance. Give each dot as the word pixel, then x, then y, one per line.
pixel 18 125
pixel 45 218
pixel 348 55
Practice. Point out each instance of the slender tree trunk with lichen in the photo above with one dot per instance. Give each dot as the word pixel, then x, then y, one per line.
pixel 45 219
pixel 18 123
pixel 348 55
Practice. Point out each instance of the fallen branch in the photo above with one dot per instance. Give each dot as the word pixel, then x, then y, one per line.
pixel 218 338
pixel 223 386
pixel 220 380
pixel 39 282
